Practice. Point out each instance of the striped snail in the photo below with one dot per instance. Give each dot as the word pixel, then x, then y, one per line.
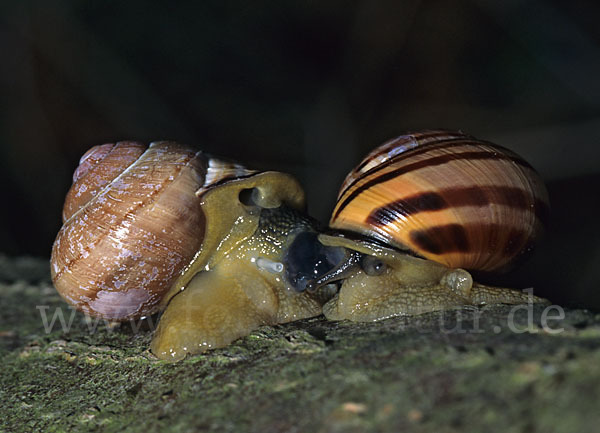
pixel 224 249
pixel 420 212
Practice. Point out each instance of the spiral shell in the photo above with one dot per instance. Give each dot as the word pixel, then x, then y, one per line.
pixel 448 197
pixel 132 222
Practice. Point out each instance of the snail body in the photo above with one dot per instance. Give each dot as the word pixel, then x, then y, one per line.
pixel 423 210
pixel 217 246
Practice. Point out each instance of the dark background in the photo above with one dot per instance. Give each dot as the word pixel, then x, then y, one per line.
pixel 308 88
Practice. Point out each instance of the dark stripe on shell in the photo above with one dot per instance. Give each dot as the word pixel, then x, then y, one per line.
pixel 417 150
pixel 425 145
pixel 426 136
pixel 542 211
pixel 439 160
pixel 441 239
pixel 453 238
pixel 429 201
pixel 453 197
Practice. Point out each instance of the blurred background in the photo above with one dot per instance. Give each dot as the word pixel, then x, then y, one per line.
pixel 308 88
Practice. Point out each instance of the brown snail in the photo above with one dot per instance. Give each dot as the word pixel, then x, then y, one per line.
pixel 223 248
pixel 420 212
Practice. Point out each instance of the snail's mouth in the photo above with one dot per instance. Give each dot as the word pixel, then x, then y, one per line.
pixel 305 263
pixel 309 264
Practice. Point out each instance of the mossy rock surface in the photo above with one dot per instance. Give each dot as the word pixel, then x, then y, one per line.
pixel 496 369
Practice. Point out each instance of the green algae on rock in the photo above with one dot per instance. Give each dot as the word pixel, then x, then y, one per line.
pixel 466 370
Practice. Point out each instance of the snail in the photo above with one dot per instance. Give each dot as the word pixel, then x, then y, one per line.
pixel 419 214
pixel 220 248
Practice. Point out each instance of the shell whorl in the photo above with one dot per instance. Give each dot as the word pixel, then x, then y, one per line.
pixel 97 168
pixel 448 197
pixel 132 222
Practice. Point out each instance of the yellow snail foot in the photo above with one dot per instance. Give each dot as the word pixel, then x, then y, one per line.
pixel 215 309
pixel 411 286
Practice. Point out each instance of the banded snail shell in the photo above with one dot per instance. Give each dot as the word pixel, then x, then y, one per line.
pixel 131 223
pixel 448 197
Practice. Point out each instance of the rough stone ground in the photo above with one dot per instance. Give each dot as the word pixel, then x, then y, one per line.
pixel 495 370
